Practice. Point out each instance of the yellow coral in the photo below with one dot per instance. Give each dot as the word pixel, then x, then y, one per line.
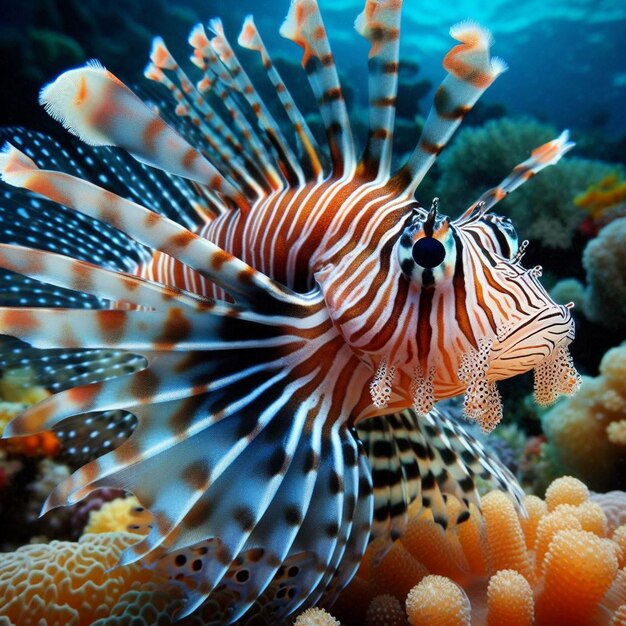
pixel 17 392
pixel 17 385
pixel 580 431
pixel 602 195
pixel 121 514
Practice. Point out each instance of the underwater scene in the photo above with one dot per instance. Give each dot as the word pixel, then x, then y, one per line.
pixel 313 312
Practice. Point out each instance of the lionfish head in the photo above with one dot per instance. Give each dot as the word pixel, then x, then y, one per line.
pixel 486 317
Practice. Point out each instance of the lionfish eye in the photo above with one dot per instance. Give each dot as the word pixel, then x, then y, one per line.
pixel 428 252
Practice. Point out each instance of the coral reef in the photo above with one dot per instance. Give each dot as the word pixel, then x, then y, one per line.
pixel 584 432
pixel 120 514
pixel 561 565
pixel 68 583
pixel 604 260
pixel 543 210
pixel 315 617
pixel 603 201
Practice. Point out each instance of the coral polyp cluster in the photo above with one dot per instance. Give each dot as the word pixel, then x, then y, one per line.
pixel 562 565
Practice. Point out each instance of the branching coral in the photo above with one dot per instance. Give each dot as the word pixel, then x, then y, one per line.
pixel 543 210
pixel 604 260
pixel 581 438
pixel 558 566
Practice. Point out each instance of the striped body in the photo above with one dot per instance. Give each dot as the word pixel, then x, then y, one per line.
pixel 310 235
pixel 277 323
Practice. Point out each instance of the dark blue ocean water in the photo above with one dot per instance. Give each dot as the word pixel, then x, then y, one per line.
pixel 567 58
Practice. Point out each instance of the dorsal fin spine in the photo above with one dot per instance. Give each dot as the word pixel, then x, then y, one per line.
pixel 380 24
pixel 251 39
pixel 305 27
pixel 470 71
pixel 287 160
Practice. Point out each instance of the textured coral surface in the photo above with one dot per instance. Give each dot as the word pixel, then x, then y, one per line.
pixel 68 583
pixel 561 565
pixel 585 432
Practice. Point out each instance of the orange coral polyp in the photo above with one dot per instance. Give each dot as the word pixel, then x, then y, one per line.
pixel 507 545
pixel 509 600
pixel 574 578
pixel 437 601
pixel 578 570
pixel 398 571
pixel 536 508
pixel 430 544
pixel 566 490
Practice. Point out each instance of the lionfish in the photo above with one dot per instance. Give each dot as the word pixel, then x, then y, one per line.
pixel 273 334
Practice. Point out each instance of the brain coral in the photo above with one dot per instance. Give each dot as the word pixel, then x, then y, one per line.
pixel 67 583
pixel 544 209
pixel 584 431
pixel 604 260
pixel 559 566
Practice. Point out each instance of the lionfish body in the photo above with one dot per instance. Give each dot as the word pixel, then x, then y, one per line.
pixel 295 324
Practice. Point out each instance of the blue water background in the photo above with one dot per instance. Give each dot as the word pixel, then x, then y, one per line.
pixel 567 58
